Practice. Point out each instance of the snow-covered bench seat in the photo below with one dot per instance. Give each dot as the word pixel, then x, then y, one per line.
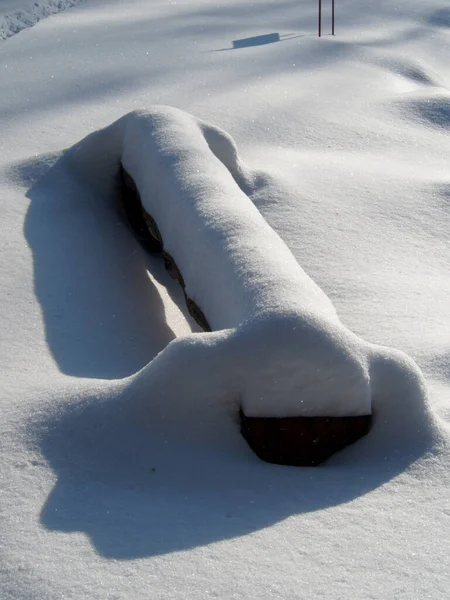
pixel 302 378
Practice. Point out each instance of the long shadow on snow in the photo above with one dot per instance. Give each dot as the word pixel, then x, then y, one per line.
pixel 141 477
pixel 139 483
pixel 103 316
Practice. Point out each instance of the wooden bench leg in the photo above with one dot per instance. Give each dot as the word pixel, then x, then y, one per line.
pixel 301 441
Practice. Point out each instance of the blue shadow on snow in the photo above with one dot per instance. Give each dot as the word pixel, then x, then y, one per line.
pixel 138 478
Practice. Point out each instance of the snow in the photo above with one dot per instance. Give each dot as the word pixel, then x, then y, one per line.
pixel 112 484
pixel 278 347
pixel 15 16
pixel 281 354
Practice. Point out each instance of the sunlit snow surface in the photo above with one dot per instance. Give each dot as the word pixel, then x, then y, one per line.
pixel 117 487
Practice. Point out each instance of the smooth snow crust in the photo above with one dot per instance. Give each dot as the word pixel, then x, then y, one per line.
pixel 121 476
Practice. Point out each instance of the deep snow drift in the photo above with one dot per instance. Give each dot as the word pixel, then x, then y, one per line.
pixel 278 347
pixel 112 485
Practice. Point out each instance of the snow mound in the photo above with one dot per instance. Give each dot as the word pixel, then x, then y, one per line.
pixel 429 109
pixel 440 18
pixel 277 347
pixel 13 21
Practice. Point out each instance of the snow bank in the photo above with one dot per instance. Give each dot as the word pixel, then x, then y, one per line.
pixel 285 352
pixel 169 501
pixel 277 347
pixel 17 16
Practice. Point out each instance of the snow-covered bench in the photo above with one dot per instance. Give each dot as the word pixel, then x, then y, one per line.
pixel 302 378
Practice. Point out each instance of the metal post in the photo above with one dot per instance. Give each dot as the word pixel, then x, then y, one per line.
pixel 320 18
pixel 332 17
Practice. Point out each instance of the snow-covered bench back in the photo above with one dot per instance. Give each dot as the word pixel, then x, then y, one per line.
pixel 275 344
pixel 297 358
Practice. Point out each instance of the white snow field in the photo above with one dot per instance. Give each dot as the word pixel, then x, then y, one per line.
pixel 124 475
pixel 278 348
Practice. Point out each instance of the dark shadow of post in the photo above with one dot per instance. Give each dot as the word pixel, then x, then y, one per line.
pixel 260 40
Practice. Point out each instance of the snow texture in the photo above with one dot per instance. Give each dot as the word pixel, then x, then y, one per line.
pixel 123 473
pixel 279 348
pixel 16 16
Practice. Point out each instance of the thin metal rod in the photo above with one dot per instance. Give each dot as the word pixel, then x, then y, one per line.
pixel 332 17
pixel 320 18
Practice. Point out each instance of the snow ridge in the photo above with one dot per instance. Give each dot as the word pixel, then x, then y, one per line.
pixel 29 15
